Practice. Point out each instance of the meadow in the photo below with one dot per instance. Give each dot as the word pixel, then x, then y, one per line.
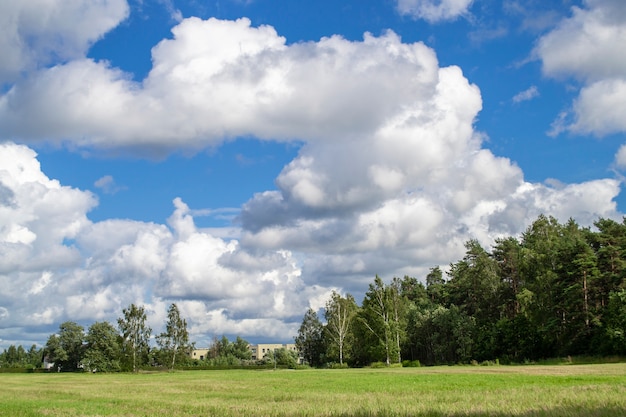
pixel 474 391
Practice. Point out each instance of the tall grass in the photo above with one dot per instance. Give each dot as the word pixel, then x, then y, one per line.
pixel 524 391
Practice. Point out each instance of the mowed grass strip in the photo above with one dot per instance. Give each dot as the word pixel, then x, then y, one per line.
pixel 572 390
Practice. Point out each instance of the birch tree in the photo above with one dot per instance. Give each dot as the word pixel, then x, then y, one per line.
pixel 174 342
pixel 339 314
pixel 377 316
pixel 135 334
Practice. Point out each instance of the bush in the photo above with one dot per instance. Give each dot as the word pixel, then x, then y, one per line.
pixel 334 365
pixel 411 364
pixel 14 370
pixel 384 365
pixel 378 365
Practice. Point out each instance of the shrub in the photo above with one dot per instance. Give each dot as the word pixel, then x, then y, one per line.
pixel 378 365
pixel 335 365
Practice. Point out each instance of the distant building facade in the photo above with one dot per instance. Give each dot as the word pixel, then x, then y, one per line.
pixel 199 354
pixel 258 351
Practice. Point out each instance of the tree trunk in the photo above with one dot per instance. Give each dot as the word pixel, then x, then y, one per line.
pixel 585 299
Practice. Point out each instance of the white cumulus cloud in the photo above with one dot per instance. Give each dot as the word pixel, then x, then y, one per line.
pixel 392 178
pixel 620 157
pixel 39 32
pixel 585 46
pixel 434 10
pixel 221 79
pixel 70 268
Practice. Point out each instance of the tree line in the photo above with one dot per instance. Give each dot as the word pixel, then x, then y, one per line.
pixel 18 357
pixel 557 290
pixel 105 348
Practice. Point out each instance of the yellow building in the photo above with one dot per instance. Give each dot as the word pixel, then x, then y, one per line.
pixel 260 350
pixel 200 353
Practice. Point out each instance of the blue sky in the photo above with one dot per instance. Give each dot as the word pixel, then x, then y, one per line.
pixel 245 158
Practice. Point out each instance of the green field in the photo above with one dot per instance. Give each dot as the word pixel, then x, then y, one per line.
pixel 565 390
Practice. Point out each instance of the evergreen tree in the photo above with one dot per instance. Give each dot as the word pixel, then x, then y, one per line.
pixel 540 263
pixel 609 244
pixel 578 274
pixel 614 340
pixel 474 284
pixel 440 335
pixel 34 357
pixel 507 254
pixel 436 286
pixel 240 349
pixel 17 357
pixel 310 339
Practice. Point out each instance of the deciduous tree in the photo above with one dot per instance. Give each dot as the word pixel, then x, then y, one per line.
pixel 135 335
pixel 103 349
pixel 174 342
pixel 66 349
pixel 339 313
pixel 377 316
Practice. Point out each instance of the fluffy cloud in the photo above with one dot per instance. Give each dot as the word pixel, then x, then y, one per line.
pixel 584 46
pixel 599 108
pixel 38 32
pixel 434 10
pixel 57 265
pixel 221 79
pixel 36 220
pixel 392 179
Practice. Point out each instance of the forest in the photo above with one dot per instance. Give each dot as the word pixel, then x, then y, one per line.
pixel 558 290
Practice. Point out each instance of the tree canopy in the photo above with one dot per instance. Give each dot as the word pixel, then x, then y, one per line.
pixel 174 342
pixel 556 290
pixel 135 336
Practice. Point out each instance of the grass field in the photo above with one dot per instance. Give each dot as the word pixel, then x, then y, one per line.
pixel 572 390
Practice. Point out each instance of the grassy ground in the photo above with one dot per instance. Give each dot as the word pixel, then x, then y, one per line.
pixel 572 390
